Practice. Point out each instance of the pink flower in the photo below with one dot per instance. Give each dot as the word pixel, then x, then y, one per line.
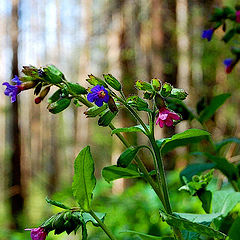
pixel 166 117
pixel 238 16
pixel 38 233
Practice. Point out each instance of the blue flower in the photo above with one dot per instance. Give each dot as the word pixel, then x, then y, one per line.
pixel 229 66
pixel 13 90
pixel 98 95
pixel 207 34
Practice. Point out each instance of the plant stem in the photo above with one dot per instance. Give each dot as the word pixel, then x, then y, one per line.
pixel 141 166
pixel 103 226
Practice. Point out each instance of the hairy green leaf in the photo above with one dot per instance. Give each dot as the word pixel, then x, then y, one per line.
pixel 147 236
pixel 222 143
pixel 137 128
pixel 112 173
pixel 84 180
pixel 181 139
pixel 59 105
pixel 56 203
pixel 185 224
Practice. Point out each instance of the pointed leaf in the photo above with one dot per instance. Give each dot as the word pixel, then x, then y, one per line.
pixel 137 128
pixel 184 224
pixel 88 218
pixel 181 139
pixel 84 180
pixel 59 105
pixel 215 103
pixel 234 231
pixel 112 173
pixel 56 203
pixel 224 201
pixel 127 156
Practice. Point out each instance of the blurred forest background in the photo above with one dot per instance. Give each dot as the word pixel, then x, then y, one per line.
pixel 131 39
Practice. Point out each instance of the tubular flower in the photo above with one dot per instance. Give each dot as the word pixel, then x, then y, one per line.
pixel 98 95
pixel 238 16
pixel 166 117
pixel 208 34
pixel 38 233
pixel 229 65
pixel 13 90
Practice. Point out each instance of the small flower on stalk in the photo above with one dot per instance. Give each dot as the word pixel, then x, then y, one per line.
pixel 238 16
pixel 166 117
pixel 38 233
pixel 13 90
pixel 229 65
pixel 98 95
pixel 208 34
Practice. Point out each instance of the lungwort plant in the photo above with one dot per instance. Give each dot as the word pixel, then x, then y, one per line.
pixel 164 106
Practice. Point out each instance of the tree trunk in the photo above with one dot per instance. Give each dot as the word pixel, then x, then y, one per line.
pixel 17 196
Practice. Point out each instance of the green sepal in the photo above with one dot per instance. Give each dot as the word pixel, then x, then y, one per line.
pixel 160 103
pixel 178 93
pixel 228 12
pixel 76 88
pixel 55 96
pixel 48 224
pixel 53 75
pixel 166 90
pixel 138 103
pixel 58 223
pixel 87 217
pixel 156 84
pixel 106 118
pixel 56 203
pixel 96 81
pixel 229 35
pixel 59 105
pixel 145 86
pixel 127 156
pixel 95 111
pixel 112 81
pixel 148 95
pixel 37 89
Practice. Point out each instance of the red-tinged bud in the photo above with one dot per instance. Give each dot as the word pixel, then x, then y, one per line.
pixel 42 95
pixel 229 69
pixel 27 85
pixel 112 105
pixel 38 100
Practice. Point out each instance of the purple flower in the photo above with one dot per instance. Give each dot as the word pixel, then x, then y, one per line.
pixel 13 90
pixel 207 34
pixel 166 117
pixel 229 66
pixel 98 95
pixel 38 233
pixel 238 16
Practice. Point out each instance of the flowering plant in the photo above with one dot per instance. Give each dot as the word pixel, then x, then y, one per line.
pixel 164 106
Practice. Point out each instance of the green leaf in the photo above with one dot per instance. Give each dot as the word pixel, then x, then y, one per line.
pixel 106 118
pixel 184 224
pixel 234 231
pixel 56 203
pixel 127 156
pixel 76 88
pixel 112 173
pixel 95 111
pixel 147 236
pixel 227 168
pixel 181 139
pixel 222 143
pixel 200 218
pixel 55 96
pixel 138 103
pixel 96 81
pixel 205 197
pixel 224 201
pixel 58 223
pixel 59 106
pixel 215 103
pixel 229 35
pixel 48 223
pixel 53 74
pixel 137 128
pixel 88 218
pixel 195 169
pixel 112 81
pixel 84 180
pixel 178 93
